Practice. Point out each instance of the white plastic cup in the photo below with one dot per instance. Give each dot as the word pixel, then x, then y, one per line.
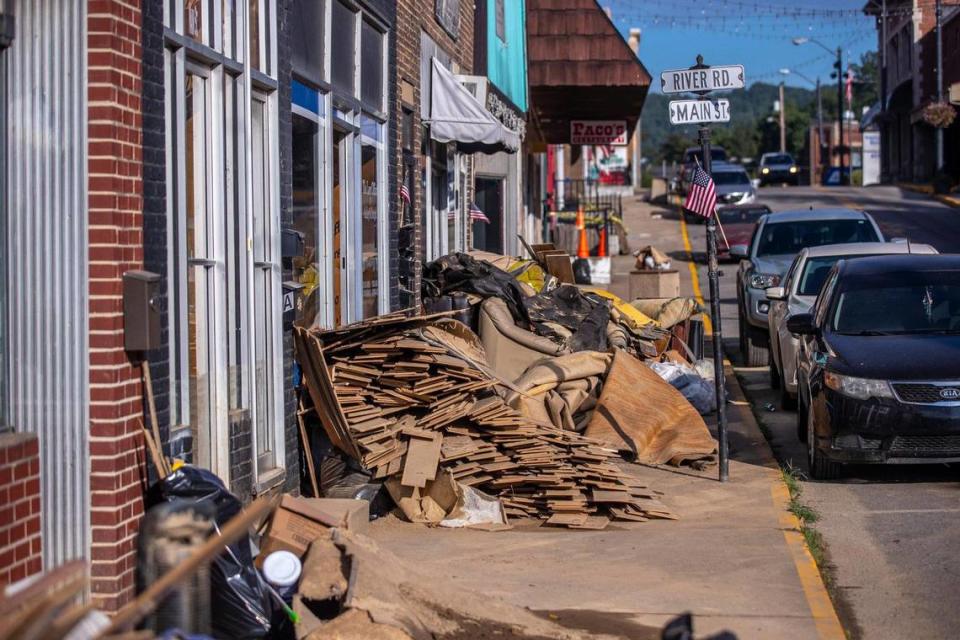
pixel 282 570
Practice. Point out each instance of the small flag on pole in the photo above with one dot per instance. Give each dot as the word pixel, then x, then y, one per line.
pixel 702 197
pixel 404 193
pixel 477 215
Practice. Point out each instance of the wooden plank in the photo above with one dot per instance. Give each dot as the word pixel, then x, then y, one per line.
pixel 423 457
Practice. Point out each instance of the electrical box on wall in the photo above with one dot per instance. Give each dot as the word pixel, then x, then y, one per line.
pixel 141 313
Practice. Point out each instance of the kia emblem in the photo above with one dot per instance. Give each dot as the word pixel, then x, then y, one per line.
pixel 950 393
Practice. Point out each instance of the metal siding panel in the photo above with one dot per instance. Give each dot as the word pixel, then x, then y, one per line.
pixel 47 251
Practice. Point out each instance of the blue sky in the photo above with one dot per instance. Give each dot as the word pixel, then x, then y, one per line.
pixel 755 34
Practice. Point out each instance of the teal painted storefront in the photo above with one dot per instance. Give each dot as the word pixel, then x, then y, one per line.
pixel 507 49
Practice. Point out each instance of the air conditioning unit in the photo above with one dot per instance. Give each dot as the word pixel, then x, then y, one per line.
pixel 476 85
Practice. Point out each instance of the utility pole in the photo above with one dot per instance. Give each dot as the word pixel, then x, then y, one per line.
pixel 939 131
pixel 843 178
pixel 884 167
pixel 783 121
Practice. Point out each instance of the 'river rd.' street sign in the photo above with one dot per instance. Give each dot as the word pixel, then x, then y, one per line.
pixel 699 111
pixel 702 80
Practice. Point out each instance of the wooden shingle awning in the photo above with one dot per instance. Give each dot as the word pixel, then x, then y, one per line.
pixel 579 68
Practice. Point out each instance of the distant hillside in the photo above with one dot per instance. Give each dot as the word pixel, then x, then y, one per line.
pixel 748 110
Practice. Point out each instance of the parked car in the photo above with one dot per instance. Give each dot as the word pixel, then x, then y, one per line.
pixel 797 293
pixel 690 158
pixel 775 243
pixel 732 184
pixel 738 222
pixel 777 168
pixel 878 372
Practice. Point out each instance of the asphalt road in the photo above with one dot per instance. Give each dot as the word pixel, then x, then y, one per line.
pixel 892 532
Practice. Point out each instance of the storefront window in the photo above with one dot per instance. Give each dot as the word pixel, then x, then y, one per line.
pixel 223 276
pixel 306 212
pixel 371 66
pixel 195 370
pixel 373 200
pixel 307 38
pixel 343 37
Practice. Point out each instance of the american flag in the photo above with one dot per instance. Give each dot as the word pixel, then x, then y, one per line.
pixel 702 197
pixel 404 193
pixel 848 87
pixel 478 215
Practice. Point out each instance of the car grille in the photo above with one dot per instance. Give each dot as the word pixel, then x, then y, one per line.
pixel 920 446
pixel 924 392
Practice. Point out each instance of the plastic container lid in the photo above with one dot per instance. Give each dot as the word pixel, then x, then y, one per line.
pixel 282 569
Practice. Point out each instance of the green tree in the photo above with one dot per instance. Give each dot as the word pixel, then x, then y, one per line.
pixel 673 146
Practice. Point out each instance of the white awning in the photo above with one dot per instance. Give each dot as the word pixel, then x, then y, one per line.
pixel 456 116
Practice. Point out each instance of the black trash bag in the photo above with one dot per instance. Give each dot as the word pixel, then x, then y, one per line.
pixel 241 606
pixel 584 316
pixel 463 273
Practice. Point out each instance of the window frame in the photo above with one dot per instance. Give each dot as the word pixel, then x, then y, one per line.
pixel 233 316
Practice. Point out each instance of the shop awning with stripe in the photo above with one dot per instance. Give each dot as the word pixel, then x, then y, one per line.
pixel 457 116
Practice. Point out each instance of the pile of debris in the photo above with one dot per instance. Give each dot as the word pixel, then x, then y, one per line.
pixel 413 401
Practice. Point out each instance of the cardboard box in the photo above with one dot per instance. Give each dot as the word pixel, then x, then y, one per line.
pixel 299 521
pixel 654 284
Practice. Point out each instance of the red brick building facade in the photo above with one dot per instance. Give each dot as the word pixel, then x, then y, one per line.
pixel 20 542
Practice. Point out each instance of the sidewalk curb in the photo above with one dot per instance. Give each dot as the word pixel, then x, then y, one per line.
pixel 951 201
pixel 818 598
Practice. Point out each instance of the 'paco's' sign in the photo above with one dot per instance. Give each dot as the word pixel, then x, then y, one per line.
pixel 598 132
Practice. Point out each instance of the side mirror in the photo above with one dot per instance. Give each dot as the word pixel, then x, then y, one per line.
pixel 802 324
pixel 776 293
pixel 740 251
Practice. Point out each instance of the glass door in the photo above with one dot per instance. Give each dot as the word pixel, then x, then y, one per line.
pixel 339 211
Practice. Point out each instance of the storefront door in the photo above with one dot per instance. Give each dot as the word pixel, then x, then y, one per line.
pixel 338 212
pixel 488 236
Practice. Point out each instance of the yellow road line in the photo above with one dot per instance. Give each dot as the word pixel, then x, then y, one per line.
pixel 707 325
pixel 824 615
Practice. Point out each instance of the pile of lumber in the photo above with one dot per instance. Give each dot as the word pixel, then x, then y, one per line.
pixel 405 406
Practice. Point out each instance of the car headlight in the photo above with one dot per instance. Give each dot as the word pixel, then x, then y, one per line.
pixel 765 170
pixel 859 388
pixel 793 169
pixel 764 280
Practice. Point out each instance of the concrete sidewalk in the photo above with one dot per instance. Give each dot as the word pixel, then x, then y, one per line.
pixel 734 558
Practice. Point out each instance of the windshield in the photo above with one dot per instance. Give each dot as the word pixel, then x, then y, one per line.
pixel 742 216
pixel 928 304
pixel 816 270
pixel 716 155
pixel 730 177
pixel 787 238
pixel 778 159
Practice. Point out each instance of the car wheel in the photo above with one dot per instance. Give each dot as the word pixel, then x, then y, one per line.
pixel 758 347
pixel 821 468
pixel 787 401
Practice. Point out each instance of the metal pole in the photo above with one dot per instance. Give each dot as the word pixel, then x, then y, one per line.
pixel 939 131
pixel 843 179
pixel 783 122
pixel 713 274
pixel 884 127
pixel 820 143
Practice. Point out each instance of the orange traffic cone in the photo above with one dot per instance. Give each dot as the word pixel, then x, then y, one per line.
pixel 583 250
pixel 602 247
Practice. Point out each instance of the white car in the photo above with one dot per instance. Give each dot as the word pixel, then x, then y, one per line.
pixel 797 294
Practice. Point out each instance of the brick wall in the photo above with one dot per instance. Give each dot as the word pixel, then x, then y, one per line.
pixel 19 507
pixel 414 16
pixel 115 246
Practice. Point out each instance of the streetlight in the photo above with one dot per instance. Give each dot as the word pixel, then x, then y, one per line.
pixel 839 65
pixel 819 105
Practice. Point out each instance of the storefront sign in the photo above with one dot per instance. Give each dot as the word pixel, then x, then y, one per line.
pixel 702 80
pixel 698 111
pixel 598 132
pixel 609 164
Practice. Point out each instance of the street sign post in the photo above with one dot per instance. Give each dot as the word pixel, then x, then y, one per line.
pixel 701 79
pixel 699 111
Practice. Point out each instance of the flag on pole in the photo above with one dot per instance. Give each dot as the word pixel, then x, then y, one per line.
pixel 849 88
pixel 404 193
pixel 477 215
pixel 702 196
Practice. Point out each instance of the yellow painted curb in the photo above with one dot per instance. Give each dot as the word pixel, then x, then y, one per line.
pixel 824 615
pixel 697 293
